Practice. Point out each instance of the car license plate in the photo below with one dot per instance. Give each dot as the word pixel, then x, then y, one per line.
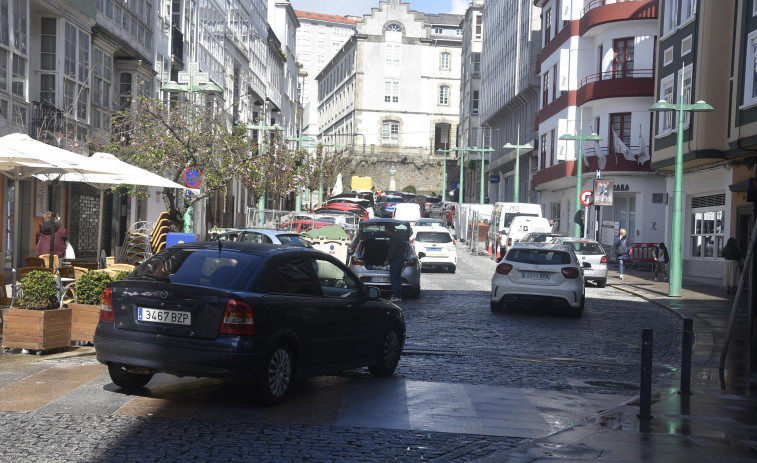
pixel 535 276
pixel 379 280
pixel 163 316
pixel 433 249
pixel 436 254
pixel 588 271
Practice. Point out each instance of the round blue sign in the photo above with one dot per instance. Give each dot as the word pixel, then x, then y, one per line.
pixel 192 177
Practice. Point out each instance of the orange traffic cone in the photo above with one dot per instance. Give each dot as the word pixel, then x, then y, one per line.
pixel 499 253
pixel 489 249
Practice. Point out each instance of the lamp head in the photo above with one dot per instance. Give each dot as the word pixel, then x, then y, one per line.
pixel 701 106
pixel 662 105
pixel 172 87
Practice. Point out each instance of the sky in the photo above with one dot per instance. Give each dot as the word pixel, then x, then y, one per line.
pixel 361 7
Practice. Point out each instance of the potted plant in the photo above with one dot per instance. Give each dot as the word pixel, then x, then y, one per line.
pixel 37 323
pixel 85 312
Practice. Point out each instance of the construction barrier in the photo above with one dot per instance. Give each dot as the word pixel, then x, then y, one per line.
pixel 641 255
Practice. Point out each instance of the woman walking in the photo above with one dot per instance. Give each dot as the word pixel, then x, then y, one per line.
pixel 732 267
pixel 622 250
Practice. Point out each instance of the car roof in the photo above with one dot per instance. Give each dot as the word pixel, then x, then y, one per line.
pixel 429 228
pixel 575 240
pixel 549 246
pixel 384 221
pixel 262 249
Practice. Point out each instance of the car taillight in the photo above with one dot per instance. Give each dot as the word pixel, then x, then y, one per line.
pixel 603 260
pixel 410 262
pixel 509 242
pixel 238 318
pixel 570 272
pixel 106 306
pixel 504 268
pixel 357 261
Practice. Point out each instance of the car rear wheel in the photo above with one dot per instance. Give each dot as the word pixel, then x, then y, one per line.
pixel 389 355
pixel 125 379
pixel 497 306
pixel 451 268
pixel 276 378
pixel 601 283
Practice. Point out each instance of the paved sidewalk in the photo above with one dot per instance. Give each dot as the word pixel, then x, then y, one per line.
pixel 710 425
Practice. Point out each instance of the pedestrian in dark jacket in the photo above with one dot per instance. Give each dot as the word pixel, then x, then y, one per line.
pixel 50 228
pixel 395 259
pixel 732 267
pixel 661 259
pixel 623 251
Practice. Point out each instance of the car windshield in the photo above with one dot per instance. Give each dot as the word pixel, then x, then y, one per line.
pixel 509 216
pixel 379 229
pixel 207 267
pixel 537 238
pixel 538 256
pixel 585 248
pixel 294 240
pixel 433 237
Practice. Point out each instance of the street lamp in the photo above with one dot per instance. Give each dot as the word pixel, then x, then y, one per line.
pixel 579 170
pixel 517 146
pixel 483 160
pixel 676 237
pixel 444 174
pixel 261 200
pixel 189 81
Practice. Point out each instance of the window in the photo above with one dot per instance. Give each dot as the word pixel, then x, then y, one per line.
pixel 476 60
pixel 438 30
pixel 479 27
pixel 392 59
pixel 686 45
pixel 444 61
pixel 3 70
pixel 543 151
pixel 474 102
pixel 47 44
pixel 552 138
pixel 547 26
pixel 390 131
pixel 670 18
pixel 18 75
pixel 620 133
pixel 665 118
pixel 555 90
pixel 622 63
pixel 76 67
pixel 667 56
pixel 391 91
pixel 707 222
pixel 394 28
pixel 124 91
pixel 685 80
pixel 688 10
pixel 750 71
pixel 292 276
pixel 444 95
pixel 545 90
pixel 334 281
pixel 19 25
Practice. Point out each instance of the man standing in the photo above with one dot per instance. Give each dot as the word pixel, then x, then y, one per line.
pixel 661 258
pixel 395 259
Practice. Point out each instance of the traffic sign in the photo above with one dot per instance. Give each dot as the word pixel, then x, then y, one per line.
pixel 586 197
pixel 192 177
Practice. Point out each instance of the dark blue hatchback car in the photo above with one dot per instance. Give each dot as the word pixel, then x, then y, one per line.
pixel 268 313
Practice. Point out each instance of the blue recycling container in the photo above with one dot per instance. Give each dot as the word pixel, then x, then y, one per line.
pixel 178 238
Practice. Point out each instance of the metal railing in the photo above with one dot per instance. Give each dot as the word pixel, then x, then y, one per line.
pixel 617 74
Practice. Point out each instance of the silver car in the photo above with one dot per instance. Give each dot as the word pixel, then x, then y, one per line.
pixel 592 256
pixel 538 275
pixel 264 236
pixel 370 251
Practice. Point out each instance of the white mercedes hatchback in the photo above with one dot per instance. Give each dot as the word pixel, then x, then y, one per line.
pixel 539 275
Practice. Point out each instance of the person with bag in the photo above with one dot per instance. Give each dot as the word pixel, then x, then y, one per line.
pixel 732 267
pixel 54 230
pixel 661 259
pixel 622 250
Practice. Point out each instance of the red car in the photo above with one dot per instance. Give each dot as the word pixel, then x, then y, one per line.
pixel 344 207
pixel 301 226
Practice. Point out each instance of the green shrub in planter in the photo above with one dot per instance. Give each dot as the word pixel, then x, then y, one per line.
pixel 39 291
pixel 121 275
pixel 90 286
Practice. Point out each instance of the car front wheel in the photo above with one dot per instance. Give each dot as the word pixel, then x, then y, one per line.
pixel 389 355
pixel 276 378
pixel 126 379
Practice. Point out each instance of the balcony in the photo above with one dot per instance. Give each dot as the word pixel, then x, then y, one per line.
pixel 46 122
pixel 616 84
pixel 598 12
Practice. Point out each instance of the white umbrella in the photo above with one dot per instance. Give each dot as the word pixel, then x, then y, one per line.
pixel 22 156
pixel 123 174
pixel 338 189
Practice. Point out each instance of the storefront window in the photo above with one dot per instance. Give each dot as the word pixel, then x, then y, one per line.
pixel 707 236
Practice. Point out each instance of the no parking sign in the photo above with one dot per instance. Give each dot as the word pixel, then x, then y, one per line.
pixel 586 197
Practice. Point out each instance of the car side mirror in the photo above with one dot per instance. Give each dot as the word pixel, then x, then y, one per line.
pixel 373 293
pixel 350 252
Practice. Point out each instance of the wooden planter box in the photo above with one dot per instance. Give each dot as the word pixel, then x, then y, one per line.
pixel 84 318
pixel 37 330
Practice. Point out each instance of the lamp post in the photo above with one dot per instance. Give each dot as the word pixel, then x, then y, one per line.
pixel 676 237
pixel 299 140
pixel 579 170
pixel 517 146
pixel 483 160
pixel 444 174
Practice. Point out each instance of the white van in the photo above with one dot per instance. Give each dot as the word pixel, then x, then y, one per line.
pixel 522 225
pixel 409 212
pixel 502 216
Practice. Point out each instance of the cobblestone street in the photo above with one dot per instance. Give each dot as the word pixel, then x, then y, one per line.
pixel 559 370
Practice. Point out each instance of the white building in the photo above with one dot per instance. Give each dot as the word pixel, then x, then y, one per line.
pixel 319 38
pixel 597 76
pixel 395 84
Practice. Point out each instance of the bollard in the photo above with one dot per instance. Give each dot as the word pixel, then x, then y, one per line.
pixel 687 342
pixel 645 395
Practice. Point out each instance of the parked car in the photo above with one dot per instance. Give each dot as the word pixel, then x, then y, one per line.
pixel 434 206
pixel 427 222
pixel 386 206
pixel 435 247
pixel 344 208
pixel 369 254
pixel 364 203
pixel 301 226
pixel 408 212
pixel 264 236
pixel 539 274
pixel 519 227
pixel 258 312
pixel 592 256
pixel 540 237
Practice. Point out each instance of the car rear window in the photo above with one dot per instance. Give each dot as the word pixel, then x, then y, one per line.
pixel 225 270
pixel 294 240
pixel 538 256
pixel 585 248
pixel 433 237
